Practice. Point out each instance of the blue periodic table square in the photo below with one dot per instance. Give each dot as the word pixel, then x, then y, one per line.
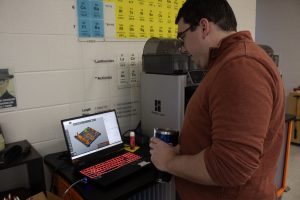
pixel 84 27
pixel 97 28
pixel 96 7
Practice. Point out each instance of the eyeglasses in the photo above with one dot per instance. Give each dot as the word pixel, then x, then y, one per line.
pixel 181 35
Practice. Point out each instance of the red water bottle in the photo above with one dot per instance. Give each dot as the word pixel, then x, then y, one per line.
pixel 132 140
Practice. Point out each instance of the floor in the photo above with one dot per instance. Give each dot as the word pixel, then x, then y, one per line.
pixel 293 177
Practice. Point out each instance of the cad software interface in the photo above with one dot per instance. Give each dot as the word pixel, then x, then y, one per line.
pixel 90 134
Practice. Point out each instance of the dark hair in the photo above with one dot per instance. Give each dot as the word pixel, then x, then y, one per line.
pixel 217 11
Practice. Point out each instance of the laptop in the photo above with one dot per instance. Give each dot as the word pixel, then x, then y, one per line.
pixel 95 142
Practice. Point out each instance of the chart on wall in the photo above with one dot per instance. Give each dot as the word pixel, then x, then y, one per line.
pixel 127 19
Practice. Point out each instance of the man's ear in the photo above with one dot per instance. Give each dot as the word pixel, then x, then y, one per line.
pixel 204 24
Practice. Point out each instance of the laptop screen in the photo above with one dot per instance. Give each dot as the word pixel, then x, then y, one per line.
pixel 89 134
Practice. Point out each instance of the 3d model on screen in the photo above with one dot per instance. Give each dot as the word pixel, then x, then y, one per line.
pixel 87 136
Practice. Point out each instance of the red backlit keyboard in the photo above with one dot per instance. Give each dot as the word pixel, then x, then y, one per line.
pixel 109 165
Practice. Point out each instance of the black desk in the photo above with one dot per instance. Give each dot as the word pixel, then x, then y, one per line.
pixel 35 168
pixel 91 191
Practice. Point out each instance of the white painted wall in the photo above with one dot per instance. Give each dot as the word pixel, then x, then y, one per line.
pixel 277 25
pixel 55 73
pixel 245 13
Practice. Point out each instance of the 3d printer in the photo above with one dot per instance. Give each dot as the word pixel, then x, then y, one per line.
pixel 168 80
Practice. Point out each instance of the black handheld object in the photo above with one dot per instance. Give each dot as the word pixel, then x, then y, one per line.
pixel 10 154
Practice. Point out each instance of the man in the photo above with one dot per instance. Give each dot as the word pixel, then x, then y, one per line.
pixel 233 127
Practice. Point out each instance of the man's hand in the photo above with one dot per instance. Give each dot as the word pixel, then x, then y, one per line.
pixel 162 153
pixel 169 159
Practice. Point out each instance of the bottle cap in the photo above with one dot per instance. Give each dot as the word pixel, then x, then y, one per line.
pixel 131 134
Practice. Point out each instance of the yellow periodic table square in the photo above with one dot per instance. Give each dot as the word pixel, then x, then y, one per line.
pixel 153 30
pixel 121 29
pixel 142 29
pixel 141 14
pixel 122 12
pixel 132 29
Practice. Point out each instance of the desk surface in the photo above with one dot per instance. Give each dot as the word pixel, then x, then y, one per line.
pixel 90 191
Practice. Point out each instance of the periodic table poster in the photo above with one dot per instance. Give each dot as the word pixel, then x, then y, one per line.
pixel 132 19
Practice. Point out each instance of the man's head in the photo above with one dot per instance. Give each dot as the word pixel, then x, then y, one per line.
pixel 202 24
pixel 217 11
pixel 4 80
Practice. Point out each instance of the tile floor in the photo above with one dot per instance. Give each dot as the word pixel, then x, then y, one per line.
pixel 293 177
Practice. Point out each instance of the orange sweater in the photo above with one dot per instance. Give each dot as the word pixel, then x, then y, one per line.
pixel 237 115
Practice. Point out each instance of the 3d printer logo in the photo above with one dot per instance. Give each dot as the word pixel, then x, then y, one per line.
pixel 157 105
